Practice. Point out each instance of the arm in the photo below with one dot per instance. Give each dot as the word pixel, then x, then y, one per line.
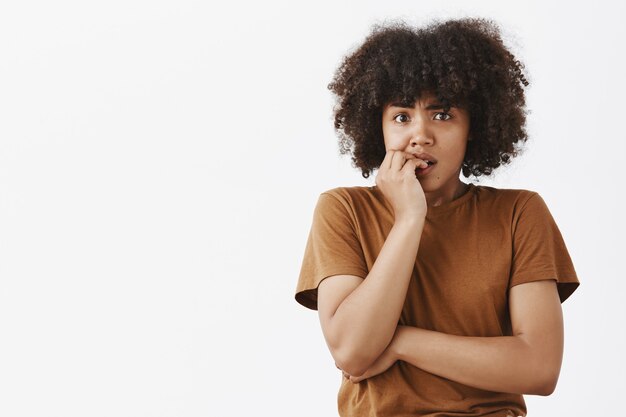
pixel 528 362
pixel 359 317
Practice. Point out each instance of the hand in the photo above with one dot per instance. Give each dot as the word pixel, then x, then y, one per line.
pixel 398 182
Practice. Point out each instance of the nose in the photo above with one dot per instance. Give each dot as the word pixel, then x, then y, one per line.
pixel 421 140
pixel 420 136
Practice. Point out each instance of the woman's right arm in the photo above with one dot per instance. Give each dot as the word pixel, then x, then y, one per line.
pixel 359 316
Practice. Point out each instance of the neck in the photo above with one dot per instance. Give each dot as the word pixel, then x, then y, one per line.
pixel 435 199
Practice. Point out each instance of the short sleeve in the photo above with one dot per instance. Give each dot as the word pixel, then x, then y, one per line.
pixel 539 251
pixel 332 248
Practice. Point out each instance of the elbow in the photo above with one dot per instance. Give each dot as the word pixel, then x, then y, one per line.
pixel 353 354
pixel 542 372
pixel 545 385
pixel 353 362
pixel 542 390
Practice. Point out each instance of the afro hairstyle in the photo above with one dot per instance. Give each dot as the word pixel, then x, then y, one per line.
pixel 463 61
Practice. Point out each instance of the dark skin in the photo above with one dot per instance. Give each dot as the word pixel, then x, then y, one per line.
pixel 426 129
pixel 463 62
pixel 526 363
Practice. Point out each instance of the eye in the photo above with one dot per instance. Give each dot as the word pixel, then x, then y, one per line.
pixel 401 115
pixel 447 115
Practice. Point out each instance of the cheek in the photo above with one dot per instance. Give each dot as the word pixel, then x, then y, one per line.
pixel 389 138
pixel 394 138
pixel 455 152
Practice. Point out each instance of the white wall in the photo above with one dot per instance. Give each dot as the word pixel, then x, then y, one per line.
pixel 159 166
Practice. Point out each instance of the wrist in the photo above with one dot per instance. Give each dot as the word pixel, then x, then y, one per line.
pixel 414 221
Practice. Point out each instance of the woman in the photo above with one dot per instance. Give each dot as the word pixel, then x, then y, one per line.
pixel 436 297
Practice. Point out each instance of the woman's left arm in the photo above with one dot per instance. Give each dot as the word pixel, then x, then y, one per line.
pixel 529 362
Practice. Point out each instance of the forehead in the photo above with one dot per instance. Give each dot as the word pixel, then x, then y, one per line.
pixel 427 100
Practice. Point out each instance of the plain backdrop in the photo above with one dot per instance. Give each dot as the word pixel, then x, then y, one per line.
pixel 159 166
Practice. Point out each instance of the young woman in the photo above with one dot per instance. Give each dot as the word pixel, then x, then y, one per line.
pixel 436 297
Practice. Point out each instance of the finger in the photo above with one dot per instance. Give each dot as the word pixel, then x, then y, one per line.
pixel 398 160
pixel 410 167
pixel 412 164
pixel 387 160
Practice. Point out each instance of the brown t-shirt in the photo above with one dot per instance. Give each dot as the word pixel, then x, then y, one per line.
pixel 472 250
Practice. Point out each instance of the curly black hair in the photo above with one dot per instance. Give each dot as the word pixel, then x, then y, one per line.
pixel 463 61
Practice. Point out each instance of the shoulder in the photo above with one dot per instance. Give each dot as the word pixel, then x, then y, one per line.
pixel 353 196
pixel 508 206
pixel 349 192
pixel 364 205
pixel 514 194
pixel 525 211
pixel 513 198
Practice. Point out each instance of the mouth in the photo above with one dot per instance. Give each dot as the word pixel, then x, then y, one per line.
pixel 429 159
pixel 423 171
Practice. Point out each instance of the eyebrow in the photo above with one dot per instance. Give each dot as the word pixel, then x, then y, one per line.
pixel 432 106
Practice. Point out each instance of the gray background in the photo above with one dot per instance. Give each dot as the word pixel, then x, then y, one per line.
pixel 159 166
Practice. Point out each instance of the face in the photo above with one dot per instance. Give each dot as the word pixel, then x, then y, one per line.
pixel 427 129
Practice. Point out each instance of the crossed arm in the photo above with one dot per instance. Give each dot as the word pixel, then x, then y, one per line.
pixel 528 362
pixel 359 320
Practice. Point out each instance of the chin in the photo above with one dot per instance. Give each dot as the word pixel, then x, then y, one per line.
pixel 428 186
pixel 433 184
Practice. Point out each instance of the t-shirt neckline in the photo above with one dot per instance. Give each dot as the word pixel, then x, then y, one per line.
pixel 445 207
pixel 459 201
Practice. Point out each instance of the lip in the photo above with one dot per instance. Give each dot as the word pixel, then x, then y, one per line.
pixel 425 156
